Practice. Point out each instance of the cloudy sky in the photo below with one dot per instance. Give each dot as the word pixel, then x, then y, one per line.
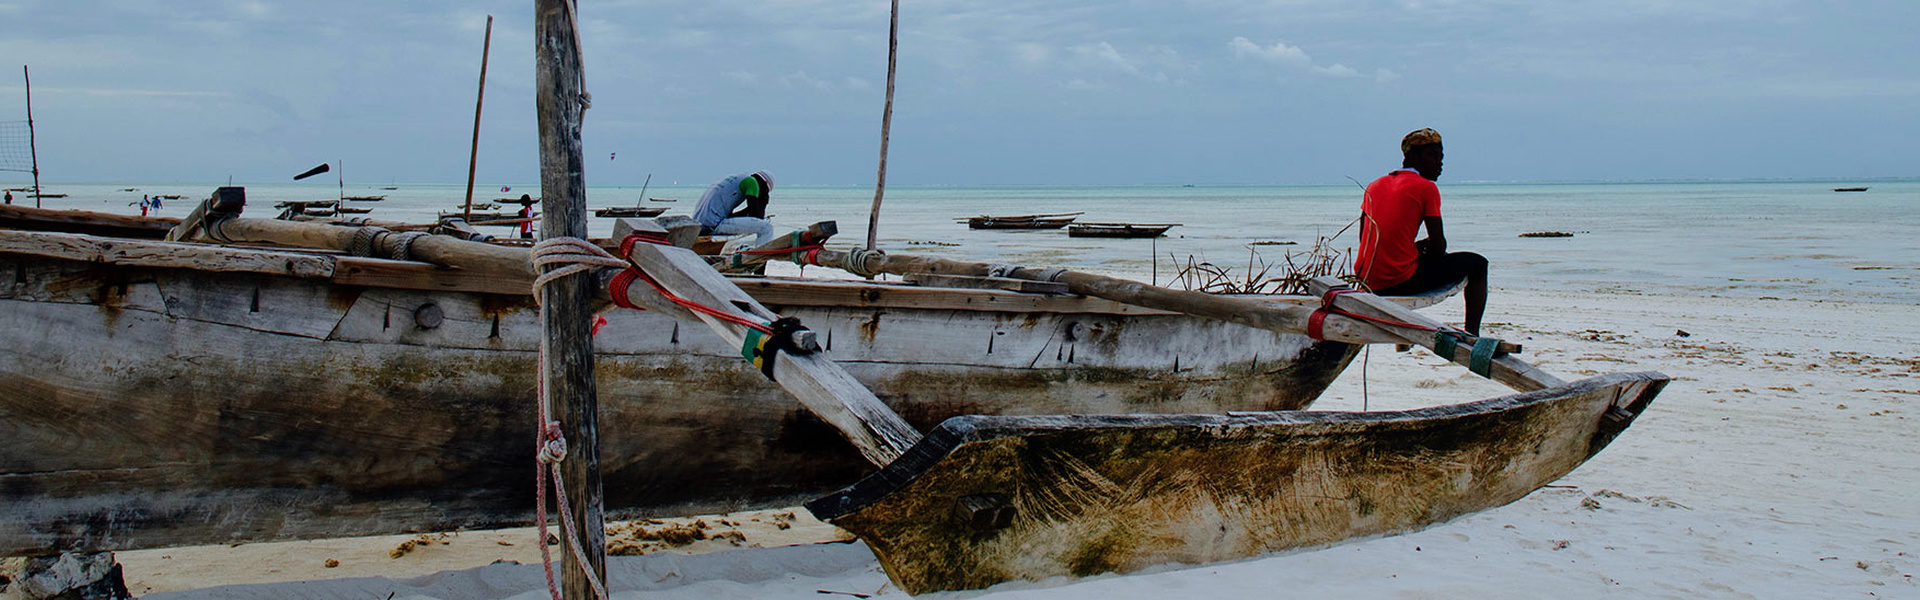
pixel 989 91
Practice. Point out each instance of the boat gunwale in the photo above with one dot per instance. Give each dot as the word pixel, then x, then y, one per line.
pixel 411 275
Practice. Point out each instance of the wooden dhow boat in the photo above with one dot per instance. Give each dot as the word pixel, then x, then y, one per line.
pixel 621 212
pixel 1119 230
pixel 1049 221
pixel 171 393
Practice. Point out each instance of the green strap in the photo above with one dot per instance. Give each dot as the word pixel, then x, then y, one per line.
pixel 1444 344
pixel 1482 360
pixel 751 345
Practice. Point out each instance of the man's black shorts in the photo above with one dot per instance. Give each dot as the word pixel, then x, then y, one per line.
pixel 1435 271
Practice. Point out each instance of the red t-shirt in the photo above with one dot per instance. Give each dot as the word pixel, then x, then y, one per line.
pixel 1394 207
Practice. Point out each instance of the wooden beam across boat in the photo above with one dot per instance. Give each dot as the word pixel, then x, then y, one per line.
pixel 1243 311
pixel 832 394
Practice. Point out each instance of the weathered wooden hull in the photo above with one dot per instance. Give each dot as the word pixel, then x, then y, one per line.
pixel 987 499
pixel 145 406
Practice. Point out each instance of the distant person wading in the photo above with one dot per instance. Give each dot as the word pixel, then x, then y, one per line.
pixel 1390 262
pixel 717 214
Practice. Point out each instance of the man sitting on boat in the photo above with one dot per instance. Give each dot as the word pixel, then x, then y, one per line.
pixel 717 214
pixel 1390 262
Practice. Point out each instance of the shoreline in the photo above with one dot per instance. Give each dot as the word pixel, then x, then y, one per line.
pixel 1778 464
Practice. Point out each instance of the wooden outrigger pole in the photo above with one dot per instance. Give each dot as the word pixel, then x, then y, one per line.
pixel 567 302
pixel 886 124
pixel 473 158
pixel 33 149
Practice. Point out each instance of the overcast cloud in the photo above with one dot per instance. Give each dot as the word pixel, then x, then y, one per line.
pixel 989 91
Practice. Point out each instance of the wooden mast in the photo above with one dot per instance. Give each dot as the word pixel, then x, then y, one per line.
pixel 473 158
pixel 568 302
pixel 886 124
pixel 33 149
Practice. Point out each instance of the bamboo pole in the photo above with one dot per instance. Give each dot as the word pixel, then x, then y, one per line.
pixel 473 158
pixel 886 124
pixel 568 302
pixel 33 148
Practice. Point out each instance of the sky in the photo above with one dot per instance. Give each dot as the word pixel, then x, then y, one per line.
pixel 1013 92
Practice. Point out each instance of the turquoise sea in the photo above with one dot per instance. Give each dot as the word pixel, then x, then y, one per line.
pixel 1746 239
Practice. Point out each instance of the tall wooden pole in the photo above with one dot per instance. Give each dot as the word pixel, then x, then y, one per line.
pixel 33 148
pixel 886 123
pixel 473 159
pixel 568 302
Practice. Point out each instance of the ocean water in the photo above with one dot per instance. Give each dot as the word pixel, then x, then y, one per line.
pixel 1746 239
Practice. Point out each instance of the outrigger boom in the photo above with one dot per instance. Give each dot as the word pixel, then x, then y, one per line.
pixel 986 499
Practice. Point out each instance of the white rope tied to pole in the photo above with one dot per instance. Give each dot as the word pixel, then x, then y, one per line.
pixel 571 256
pixel 574 255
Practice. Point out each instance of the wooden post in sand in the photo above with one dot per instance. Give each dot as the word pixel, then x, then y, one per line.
pixel 473 157
pixel 886 125
pixel 568 302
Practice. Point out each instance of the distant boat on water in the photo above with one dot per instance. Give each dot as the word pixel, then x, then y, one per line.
pixel 1119 230
pixel 1850 189
pixel 1052 221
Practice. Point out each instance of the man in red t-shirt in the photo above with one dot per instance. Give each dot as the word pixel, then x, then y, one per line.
pixel 1390 261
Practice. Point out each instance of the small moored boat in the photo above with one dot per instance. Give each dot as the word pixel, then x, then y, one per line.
pixel 1051 221
pixel 1119 230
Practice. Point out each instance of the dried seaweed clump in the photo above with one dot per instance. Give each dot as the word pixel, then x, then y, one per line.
pixel 1287 276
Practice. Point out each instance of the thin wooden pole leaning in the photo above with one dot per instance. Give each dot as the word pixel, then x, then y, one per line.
pixel 886 125
pixel 33 148
pixel 567 303
pixel 473 158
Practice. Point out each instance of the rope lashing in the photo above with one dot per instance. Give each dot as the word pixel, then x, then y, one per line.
pixel 798 248
pixel 622 280
pixel 1317 320
pixel 380 242
pixel 860 261
pixel 403 243
pixel 762 343
pixel 1446 341
pixel 572 255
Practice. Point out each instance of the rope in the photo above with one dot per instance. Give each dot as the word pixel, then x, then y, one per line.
pixel 1319 316
pixel 403 243
pixel 626 247
pixel 362 242
pixel 573 255
pixel 857 259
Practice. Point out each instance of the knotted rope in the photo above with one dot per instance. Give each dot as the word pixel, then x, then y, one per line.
pixel 571 256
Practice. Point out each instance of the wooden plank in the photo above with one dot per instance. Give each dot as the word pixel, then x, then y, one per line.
pixel 1027 286
pixel 27 217
pixel 826 389
pixel 383 273
pixel 143 253
pixel 1508 370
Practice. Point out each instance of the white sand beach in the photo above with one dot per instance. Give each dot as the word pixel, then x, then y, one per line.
pixel 1780 463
